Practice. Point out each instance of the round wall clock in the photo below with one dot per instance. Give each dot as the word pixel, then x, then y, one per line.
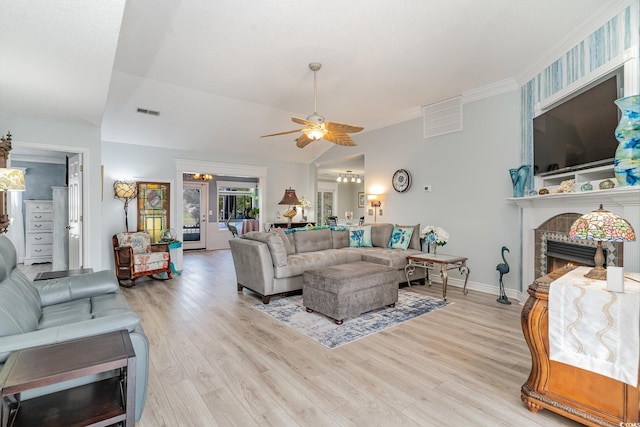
pixel 401 180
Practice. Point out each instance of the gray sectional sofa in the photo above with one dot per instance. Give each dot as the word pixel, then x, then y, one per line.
pixel 58 310
pixel 272 263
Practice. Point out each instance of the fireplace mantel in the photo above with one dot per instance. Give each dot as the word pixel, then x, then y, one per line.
pixel 624 201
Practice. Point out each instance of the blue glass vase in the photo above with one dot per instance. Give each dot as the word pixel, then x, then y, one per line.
pixel 626 165
pixel 519 179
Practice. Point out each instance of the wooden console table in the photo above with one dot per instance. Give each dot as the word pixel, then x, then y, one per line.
pixel 439 262
pixel 102 403
pixel 584 396
pixel 293 224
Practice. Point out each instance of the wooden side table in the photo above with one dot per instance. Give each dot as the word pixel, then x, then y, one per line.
pixel 46 275
pixel 440 262
pixel 102 403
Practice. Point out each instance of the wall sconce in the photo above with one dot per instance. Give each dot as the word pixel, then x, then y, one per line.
pixel 125 191
pixel 10 180
pixel 375 204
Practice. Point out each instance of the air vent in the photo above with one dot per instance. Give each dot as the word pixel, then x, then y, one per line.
pixel 148 112
pixel 442 117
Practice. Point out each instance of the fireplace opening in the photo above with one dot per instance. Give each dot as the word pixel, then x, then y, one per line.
pixel 560 254
pixel 554 248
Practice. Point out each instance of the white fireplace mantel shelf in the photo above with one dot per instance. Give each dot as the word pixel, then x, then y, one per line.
pixel 623 201
pixel 619 196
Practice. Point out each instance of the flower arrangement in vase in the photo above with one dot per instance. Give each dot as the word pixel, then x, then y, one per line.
pixel 434 236
pixel 304 203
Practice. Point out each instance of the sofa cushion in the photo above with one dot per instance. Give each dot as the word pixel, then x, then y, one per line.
pixel 415 236
pixel 19 306
pixel 139 241
pixel 400 237
pixel 288 244
pixel 312 240
pixel 340 238
pixel 360 237
pixel 275 244
pixel 109 304
pixel 391 257
pixel 300 262
pixel 380 234
pixel 65 313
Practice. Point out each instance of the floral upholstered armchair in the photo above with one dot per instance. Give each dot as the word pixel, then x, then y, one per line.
pixel 135 257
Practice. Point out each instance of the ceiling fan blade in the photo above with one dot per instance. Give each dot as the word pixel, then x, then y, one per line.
pixel 303 140
pixel 303 122
pixel 342 127
pixel 282 133
pixel 339 138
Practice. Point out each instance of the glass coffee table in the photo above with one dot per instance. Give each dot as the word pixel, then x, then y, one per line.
pixel 438 262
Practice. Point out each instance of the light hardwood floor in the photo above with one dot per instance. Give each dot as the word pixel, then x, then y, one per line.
pixel 215 360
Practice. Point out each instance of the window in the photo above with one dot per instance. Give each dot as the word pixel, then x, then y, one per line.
pixel 153 208
pixel 325 205
pixel 236 201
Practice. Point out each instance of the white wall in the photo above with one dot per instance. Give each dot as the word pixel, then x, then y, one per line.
pixel 468 171
pixel 29 131
pixel 159 164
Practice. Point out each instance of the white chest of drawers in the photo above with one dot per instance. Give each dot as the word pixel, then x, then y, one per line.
pixel 38 231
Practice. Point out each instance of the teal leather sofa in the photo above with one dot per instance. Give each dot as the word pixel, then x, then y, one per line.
pixel 58 310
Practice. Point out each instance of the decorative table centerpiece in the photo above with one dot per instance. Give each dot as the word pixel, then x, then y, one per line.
pixel 434 237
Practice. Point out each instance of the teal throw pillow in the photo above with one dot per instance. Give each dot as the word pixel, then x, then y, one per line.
pixel 360 237
pixel 400 237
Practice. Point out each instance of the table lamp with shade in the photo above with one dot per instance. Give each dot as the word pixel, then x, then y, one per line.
pixel 601 226
pixel 289 198
pixel 10 180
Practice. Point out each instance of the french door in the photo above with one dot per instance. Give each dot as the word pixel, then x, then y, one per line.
pixel 194 215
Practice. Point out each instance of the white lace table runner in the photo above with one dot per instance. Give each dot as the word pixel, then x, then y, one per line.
pixel 594 329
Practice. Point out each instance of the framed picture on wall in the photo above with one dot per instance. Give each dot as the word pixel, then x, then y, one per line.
pixel 361 199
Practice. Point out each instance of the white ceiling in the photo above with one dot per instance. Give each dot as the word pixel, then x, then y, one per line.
pixel 224 72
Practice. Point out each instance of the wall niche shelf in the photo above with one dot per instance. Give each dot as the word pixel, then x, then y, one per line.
pixel 594 176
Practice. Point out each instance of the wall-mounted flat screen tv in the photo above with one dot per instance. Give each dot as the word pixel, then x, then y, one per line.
pixel 578 133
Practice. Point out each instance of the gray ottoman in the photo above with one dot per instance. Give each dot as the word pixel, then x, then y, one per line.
pixel 348 290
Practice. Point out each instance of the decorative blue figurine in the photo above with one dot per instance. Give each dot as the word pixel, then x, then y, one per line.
pixel 503 268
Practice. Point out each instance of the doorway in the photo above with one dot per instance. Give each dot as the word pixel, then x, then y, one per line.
pixel 194 214
pixel 46 169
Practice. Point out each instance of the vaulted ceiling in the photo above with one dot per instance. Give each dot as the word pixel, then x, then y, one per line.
pixel 221 73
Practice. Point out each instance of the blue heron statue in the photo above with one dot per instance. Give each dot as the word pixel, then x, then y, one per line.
pixel 503 268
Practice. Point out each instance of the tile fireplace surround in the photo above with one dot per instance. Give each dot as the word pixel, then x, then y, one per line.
pixel 623 201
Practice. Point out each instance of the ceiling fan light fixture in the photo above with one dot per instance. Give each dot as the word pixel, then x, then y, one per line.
pixel 315 133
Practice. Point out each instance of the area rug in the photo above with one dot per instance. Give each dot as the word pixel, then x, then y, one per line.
pixel 291 312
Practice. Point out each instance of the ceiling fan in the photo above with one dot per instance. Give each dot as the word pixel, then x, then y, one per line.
pixel 315 126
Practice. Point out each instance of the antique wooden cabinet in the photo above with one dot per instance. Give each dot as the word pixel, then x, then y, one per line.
pixel 589 398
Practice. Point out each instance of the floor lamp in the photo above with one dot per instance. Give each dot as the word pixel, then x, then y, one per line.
pixel 125 191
